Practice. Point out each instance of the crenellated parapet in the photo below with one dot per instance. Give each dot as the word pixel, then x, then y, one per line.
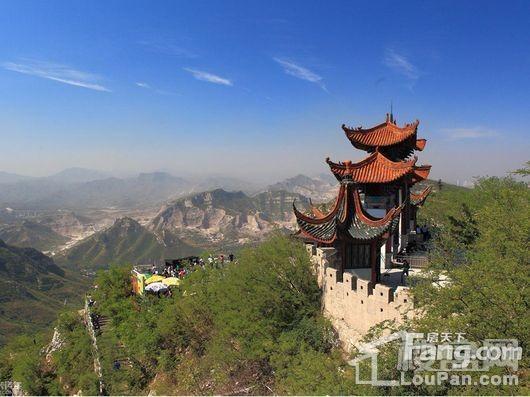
pixel 353 304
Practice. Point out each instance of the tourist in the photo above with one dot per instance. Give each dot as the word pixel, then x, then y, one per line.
pixel 231 257
pixel 424 232
pixel 406 268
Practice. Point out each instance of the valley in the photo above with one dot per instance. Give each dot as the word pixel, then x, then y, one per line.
pixel 145 218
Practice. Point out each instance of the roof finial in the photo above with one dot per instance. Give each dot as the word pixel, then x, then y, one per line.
pixel 391 112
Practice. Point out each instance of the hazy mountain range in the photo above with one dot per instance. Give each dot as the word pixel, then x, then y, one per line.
pixel 78 188
pixel 217 220
pixel 85 221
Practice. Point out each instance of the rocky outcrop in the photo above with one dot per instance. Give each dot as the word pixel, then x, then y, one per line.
pixel 321 189
pixel 221 216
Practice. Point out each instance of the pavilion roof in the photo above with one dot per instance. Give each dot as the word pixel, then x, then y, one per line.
pixel 420 173
pixel 347 216
pixel 418 198
pixel 375 168
pixel 396 143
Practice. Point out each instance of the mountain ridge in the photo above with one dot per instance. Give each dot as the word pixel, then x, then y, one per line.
pixel 33 288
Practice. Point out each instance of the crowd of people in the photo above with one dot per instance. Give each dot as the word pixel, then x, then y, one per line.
pixel 181 267
pixel 424 231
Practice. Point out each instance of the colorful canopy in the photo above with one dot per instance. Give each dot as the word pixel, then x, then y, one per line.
pixel 154 278
pixel 171 281
pixel 156 287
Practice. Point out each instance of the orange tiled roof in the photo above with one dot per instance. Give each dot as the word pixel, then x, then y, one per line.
pixel 420 173
pixel 315 211
pixel 384 134
pixel 419 198
pixel 347 215
pixel 375 168
pixel 420 144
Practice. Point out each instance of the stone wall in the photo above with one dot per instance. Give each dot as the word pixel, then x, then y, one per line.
pixel 354 305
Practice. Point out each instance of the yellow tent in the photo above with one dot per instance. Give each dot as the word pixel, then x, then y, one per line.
pixel 153 279
pixel 138 282
pixel 171 281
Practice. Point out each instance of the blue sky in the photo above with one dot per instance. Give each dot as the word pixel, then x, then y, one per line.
pixel 259 89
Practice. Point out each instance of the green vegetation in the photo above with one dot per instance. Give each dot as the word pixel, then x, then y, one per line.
pixel 31 234
pixel 482 249
pixel 125 242
pixel 255 327
pixel 227 330
pixel 442 203
pixel 64 371
pixel 32 290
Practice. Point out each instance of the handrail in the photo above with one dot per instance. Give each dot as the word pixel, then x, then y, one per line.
pixel 415 261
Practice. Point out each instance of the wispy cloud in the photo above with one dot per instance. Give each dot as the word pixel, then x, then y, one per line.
pixel 57 72
pixel 147 86
pixel 301 72
pixel 167 48
pixel 400 64
pixel 208 77
pixel 455 134
pixel 142 85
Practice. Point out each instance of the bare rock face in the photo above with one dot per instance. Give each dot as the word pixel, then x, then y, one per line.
pixel 66 223
pixel 221 216
pixel 321 189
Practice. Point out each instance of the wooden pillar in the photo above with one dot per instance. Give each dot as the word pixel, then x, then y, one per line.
pixel 343 259
pixel 405 211
pixel 373 264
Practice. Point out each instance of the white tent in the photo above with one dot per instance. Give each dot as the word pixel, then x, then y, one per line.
pixel 156 287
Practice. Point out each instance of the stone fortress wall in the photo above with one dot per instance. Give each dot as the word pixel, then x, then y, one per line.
pixel 354 305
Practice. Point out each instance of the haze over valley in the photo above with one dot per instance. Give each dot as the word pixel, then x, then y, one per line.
pixel 74 211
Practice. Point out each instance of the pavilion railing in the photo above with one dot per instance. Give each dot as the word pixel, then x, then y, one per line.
pixel 415 261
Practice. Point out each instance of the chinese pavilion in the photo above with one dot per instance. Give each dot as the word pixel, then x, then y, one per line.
pixel 375 209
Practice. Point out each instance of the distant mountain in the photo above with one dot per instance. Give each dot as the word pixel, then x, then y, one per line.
pixel 6 177
pixel 225 183
pixel 126 241
pixel 31 234
pixel 320 189
pixel 77 175
pixel 219 218
pixel 78 188
pixel 32 289
pixel 143 190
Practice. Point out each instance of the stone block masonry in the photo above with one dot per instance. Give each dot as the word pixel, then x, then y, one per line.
pixel 354 305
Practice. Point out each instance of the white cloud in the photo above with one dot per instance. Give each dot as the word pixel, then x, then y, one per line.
pixel 208 77
pixel 300 72
pixel 455 134
pixel 400 64
pixel 56 72
pixel 167 48
pixel 149 87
